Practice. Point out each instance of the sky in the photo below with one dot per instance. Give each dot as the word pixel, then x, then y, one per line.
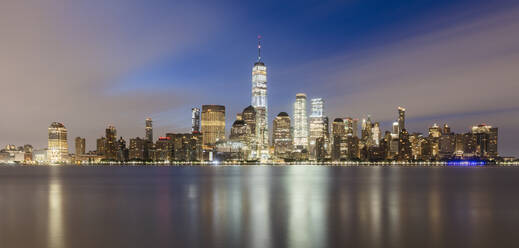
pixel 90 64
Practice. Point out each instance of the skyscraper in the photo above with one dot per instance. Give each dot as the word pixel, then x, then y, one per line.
pixel 213 124
pixel 281 135
pixel 338 138
pixel 195 120
pixel 149 130
pixel 300 123
pixel 259 102
pixel 101 146
pixel 111 143
pixel 486 140
pixel 317 127
pixel 401 119
pixel 57 143
pixel 80 145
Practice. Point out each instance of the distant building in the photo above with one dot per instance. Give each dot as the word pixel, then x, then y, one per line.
pixel 111 143
pixel 401 119
pixel 122 153
pixel 213 124
pixel 101 146
pixel 187 146
pixel 338 138
pixel 260 104
pixel 404 145
pixel 80 145
pixel 281 135
pixel 149 130
pixel 300 123
pixel 486 141
pixel 57 144
pixel 136 149
pixel 195 120
pixel 317 127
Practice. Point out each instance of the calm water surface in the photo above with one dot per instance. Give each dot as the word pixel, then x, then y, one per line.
pixel 258 206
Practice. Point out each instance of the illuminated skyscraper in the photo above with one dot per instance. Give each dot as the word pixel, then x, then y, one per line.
pixel 401 119
pixel 375 134
pixel 338 138
pixel 317 127
pixel 80 145
pixel 195 120
pixel 57 143
pixel 100 146
pixel 259 102
pixel 149 130
pixel 281 135
pixel 213 124
pixel 300 123
pixel 111 143
pixel 486 140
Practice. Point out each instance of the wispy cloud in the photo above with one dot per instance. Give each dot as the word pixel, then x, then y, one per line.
pixel 60 59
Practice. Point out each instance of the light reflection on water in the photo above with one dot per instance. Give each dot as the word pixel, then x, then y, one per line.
pixel 258 206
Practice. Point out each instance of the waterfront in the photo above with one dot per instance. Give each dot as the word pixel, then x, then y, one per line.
pixel 258 206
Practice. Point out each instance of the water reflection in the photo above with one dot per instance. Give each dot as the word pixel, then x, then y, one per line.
pixel 55 235
pixel 298 206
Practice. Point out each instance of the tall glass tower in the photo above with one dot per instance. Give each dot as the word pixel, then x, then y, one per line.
pixel 300 123
pixel 259 102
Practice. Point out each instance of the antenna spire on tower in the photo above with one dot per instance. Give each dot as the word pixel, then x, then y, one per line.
pixel 259 48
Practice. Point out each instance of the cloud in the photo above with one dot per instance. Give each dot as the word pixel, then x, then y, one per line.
pixel 60 59
pixel 468 67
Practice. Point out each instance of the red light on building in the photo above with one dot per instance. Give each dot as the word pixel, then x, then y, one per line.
pixel 164 138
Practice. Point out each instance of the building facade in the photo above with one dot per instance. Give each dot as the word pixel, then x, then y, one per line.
pixel 213 124
pixel 300 123
pixel 57 148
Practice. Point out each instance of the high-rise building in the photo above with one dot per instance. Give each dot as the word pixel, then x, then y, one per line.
pixel 404 145
pixel 57 143
pixel 122 152
pixel 395 129
pixel 80 145
pixel 101 146
pixel 366 132
pixel 213 124
pixel 240 131
pixel 435 131
pixel 317 127
pixel 338 138
pixel 375 134
pixel 486 141
pixel 187 146
pixel 136 149
pixel 111 143
pixel 300 123
pixel 249 117
pixel 259 102
pixel 281 135
pixel 149 130
pixel 401 119
pixel 195 120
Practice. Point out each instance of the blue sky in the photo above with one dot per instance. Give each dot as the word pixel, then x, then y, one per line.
pixel 93 63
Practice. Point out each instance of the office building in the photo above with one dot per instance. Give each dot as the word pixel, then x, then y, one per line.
pixel 300 123
pixel 281 135
pixel 195 120
pixel 111 143
pixel 259 102
pixel 149 130
pixel 80 146
pixel 57 143
pixel 213 124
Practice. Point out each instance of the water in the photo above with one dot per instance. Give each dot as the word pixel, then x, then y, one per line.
pixel 254 206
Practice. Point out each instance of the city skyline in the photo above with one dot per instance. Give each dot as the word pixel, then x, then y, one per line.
pixel 159 84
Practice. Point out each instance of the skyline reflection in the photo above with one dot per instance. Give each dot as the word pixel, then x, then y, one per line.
pixel 258 206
